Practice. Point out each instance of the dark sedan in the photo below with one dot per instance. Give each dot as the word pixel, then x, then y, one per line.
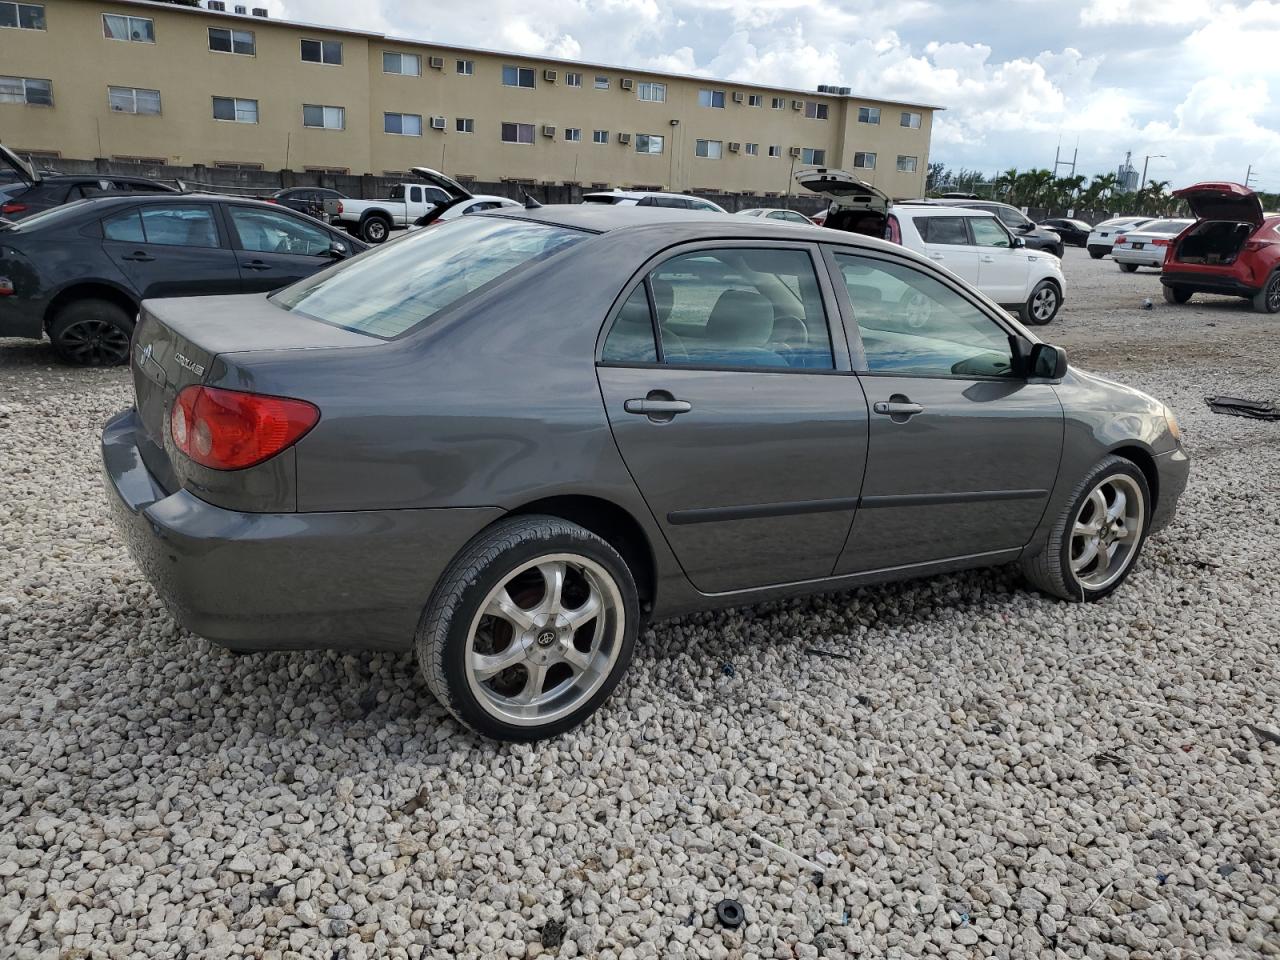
pixel 78 272
pixel 308 200
pixel 1074 233
pixel 34 192
pixel 505 440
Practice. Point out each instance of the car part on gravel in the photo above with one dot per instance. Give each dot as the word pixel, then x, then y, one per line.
pixel 730 914
pixel 1237 407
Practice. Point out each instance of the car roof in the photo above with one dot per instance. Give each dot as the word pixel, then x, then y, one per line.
pixel 109 202
pixel 639 194
pixel 928 210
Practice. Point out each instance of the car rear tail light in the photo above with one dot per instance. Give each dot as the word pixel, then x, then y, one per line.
pixel 1121 239
pixel 1253 246
pixel 339 206
pixel 892 229
pixel 6 287
pixel 231 430
pixel 12 208
pixel 1161 243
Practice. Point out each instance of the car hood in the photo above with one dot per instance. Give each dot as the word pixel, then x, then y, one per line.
pixel 437 179
pixel 1222 201
pixel 843 188
pixel 24 170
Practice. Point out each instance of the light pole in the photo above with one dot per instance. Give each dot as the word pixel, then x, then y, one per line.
pixel 1145 160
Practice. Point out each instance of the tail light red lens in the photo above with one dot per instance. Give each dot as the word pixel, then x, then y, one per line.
pixel 1253 246
pixel 339 206
pixel 6 287
pixel 1121 239
pixel 892 229
pixel 12 208
pixel 231 430
pixel 1160 243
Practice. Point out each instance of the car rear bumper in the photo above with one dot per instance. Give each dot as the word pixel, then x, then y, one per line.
pixel 265 581
pixel 1143 257
pixel 1172 470
pixel 1208 283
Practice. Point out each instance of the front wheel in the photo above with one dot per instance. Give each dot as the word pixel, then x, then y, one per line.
pixel 1267 300
pixel 374 230
pixel 92 333
pixel 1177 294
pixel 1128 267
pixel 529 629
pixel 1042 306
pixel 1095 542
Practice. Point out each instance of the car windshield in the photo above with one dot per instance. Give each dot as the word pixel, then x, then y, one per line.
pixel 392 289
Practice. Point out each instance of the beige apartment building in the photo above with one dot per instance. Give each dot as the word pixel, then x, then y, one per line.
pixel 162 83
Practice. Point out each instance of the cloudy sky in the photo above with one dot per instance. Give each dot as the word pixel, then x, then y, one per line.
pixel 1197 80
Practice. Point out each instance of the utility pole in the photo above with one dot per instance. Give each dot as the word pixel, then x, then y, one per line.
pixel 1248 175
pixel 1065 163
pixel 1145 160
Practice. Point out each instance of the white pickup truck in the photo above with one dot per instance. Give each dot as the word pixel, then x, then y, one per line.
pixel 373 220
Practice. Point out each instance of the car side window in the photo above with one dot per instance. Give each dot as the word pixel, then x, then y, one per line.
pixel 265 231
pixel 912 323
pixel 741 307
pixel 188 225
pixel 948 230
pixel 987 232
pixel 630 338
pixel 1012 218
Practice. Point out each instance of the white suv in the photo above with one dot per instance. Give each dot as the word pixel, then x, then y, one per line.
pixel 978 248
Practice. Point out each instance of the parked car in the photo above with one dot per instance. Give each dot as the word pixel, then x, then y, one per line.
pixel 1146 245
pixel 733 410
pixel 978 248
pixel 1035 236
pixel 1103 236
pixel 78 272
pixel 462 205
pixel 853 205
pixel 776 213
pixel 373 220
pixel 1074 233
pixel 1232 248
pixel 308 200
pixel 35 192
pixel 652 198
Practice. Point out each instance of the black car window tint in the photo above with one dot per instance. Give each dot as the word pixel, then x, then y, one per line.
pixel 947 230
pixel 178 226
pixel 630 338
pixel 265 231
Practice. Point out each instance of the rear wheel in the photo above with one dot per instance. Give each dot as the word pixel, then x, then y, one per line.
pixel 1042 306
pixel 530 629
pixel 1129 267
pixel 1097 252
pixel 1267 300
pixel 1177 294
pixel 374 230
pixel 92 333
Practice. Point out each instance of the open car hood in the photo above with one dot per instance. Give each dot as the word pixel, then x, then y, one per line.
pixel 437 179
pixel 23 169
pixel 844 188
pixel 1222 201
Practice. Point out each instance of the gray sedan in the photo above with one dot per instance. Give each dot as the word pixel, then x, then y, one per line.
pixel 508 441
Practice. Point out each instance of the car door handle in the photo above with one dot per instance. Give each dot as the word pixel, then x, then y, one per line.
pixel 138 256
pixel 255 265
pixel 936 256
pixel 988 259
pixel 897 408
pixel 659 408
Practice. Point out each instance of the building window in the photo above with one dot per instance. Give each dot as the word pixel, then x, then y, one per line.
pixel 649 143
pixel 517 77
pixel 910 119
pixel 573 79
pixel 402 124
pixel 814 110
pixel 755 100
pixel 132 100
pixel 573 134
pixel 139 29
pixel 600 136
pixel 753 149
pixel 466 125
pixel 709 149
pixel 602 83
pixel 402 64
pixel 235 109
pixel 775 150
pixel 23 16
pixel 814 156
pixel 868 114
pixel 322 51
pixel 867 161
pixel 322 117
pixel 235 165
pixel 652 92
pixel 139 161
pixel 905 164
pixel 35 93
pixel 778 103
pixel 232 41
pixel 517 132
pixel 330 170
pixel 466 67
pixel 711 98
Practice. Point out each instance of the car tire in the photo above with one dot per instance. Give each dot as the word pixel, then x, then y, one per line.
pixel 1128 267
pixel 1066 567
pixel 375 230
pixel 92 333
pixel 530 636
pixel 1043 304
pixel 1177 294
pixel 1097 252
pixel 1267 300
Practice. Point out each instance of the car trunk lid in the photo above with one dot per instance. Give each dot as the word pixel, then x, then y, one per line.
pixel 437 179
pixel 1222 201
pixel 26 173
pixel 843 188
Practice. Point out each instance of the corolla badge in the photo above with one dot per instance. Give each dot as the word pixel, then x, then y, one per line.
pixel 196 368
pixel 146 354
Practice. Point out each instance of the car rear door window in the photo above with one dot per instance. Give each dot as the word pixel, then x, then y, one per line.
pixel 948 230
pixel 265 231
pixel 631 338
pixel 188 225
pixel 914 324
pixel 987 232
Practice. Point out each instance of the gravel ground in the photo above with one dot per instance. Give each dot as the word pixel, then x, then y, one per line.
pixel 975 770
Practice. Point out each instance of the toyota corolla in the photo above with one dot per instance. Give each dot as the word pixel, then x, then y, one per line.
pixel 507 441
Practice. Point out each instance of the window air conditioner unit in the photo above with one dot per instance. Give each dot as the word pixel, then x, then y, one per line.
pixel 737 96
pixel 624 138
pixel 437 123
pixel 217 5
pixel 259 11
pixel 823 88
pixel 734 146
pixel 549 76
pixel 626 83
pixel 437 63
pixel 241 9
pixel 548 131
pixel 793 152
pixel 797 104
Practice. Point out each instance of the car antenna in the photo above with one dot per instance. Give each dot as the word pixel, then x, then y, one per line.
pixel 529 202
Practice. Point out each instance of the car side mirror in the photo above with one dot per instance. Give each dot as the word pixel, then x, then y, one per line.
pixel 338 250
pixel 1019 242
pixel 1047 362
pixel 1026 227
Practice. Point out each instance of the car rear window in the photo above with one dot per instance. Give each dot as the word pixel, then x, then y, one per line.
pixel 1164 226
pixel 389 290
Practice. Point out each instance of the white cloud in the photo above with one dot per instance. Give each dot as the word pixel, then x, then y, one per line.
pixel 1162 12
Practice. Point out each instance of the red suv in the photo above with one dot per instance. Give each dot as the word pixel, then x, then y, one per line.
pixel 1232 248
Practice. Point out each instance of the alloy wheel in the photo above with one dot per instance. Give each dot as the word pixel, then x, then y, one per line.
pixel 1273 294
pixel 94 342
pixel 1044 303
pixel 545 639
pixel 1107 531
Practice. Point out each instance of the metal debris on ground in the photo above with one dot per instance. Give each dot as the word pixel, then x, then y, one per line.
pixel 730 914
pixel 727 669
pixel 1147 304
pixel 1239 407
pixel 817 868
pixel 552 934
pixel 819 652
